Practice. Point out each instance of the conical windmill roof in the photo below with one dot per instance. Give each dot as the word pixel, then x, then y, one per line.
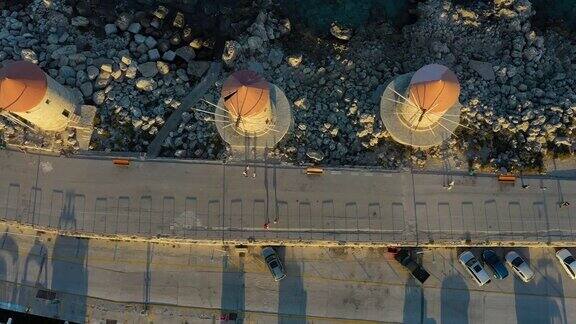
pixel 246 93
pixel 434 88
pixel 22 86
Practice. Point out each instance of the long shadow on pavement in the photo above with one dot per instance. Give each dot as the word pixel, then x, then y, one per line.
pixel 415 304
pixel 292 298
pixel 534 300
pixel 455 300
pixel 8 266
pixel 233 288
pixel 69 272
pixel 412 300
pixel 34 273
pixel 70 276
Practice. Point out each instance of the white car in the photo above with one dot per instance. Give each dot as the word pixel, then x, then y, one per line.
pixel 474 267
pixel 273 262
pixel 519 266
pixel 568 262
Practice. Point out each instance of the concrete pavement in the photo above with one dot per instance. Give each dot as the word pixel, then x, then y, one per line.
pixel 140 282
pixel 211 201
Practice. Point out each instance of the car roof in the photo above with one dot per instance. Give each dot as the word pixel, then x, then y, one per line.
pixel 525 268
pixel 277 271
pixel 501 269
pixel 482 276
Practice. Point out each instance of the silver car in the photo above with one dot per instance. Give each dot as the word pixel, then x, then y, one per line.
pixel 519 266
pixel 273 262
pixel 474 267
pixel 568 262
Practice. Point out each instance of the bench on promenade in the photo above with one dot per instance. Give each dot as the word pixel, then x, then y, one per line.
pixel 121 162
pixel 506 178
pixel 314 171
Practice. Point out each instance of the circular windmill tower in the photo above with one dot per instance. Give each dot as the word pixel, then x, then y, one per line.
pixel 421 109
pixel 30 94
pixel 257 115
pixel 31 98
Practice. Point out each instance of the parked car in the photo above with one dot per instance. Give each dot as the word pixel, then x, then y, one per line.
pixel 519 266
pixel 474 267
pixel 568 262
pixel 403 256
pixel 273 262
pixel 493 261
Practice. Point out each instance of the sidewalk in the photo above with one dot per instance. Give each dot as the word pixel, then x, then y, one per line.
pixel 215 202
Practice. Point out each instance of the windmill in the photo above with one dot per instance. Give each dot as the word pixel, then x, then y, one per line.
pixel 252 114
pixel 421 109
pixel 31 98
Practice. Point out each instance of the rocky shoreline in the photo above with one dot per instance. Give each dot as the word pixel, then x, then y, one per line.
pixel 518 83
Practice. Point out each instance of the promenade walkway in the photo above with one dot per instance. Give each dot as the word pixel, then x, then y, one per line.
pixel 204 200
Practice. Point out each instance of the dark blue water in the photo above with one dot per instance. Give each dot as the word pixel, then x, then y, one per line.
pixel 559 13
pixel 320 14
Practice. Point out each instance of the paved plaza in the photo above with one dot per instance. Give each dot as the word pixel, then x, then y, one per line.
pixel 141 282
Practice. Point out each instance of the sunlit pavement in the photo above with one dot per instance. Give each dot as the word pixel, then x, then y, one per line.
pixel 137 281
pixel 209 200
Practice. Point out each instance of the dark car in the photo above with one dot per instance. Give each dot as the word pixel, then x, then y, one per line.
pixel 493 261
pixel 403 256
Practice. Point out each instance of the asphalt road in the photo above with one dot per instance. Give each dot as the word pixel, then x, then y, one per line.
pixel 138 282
pixel 203 200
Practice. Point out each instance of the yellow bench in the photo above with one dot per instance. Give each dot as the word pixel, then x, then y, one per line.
pixel 314 171
pixel 121 162
pixel 507 178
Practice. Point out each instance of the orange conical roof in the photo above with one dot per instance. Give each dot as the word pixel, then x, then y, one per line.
pixel 246 93
pixel 434 88
pixel 22 86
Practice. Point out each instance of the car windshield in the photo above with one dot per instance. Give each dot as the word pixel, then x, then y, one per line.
pixel 273 264
pixel 471 262
pixel 477 268
pixel 569 260
pixel 491 258
pixel 517 262
pixel 270 257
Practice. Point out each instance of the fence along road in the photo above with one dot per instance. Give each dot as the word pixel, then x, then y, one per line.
pixel 204 200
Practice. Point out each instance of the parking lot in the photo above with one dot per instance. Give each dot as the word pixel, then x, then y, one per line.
pixel 102 279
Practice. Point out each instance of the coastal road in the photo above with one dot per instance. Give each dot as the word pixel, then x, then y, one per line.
pixel 92 280
pixel 212 201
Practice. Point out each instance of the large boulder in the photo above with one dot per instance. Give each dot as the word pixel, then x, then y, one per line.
pixel 148 69
pixel 197 68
